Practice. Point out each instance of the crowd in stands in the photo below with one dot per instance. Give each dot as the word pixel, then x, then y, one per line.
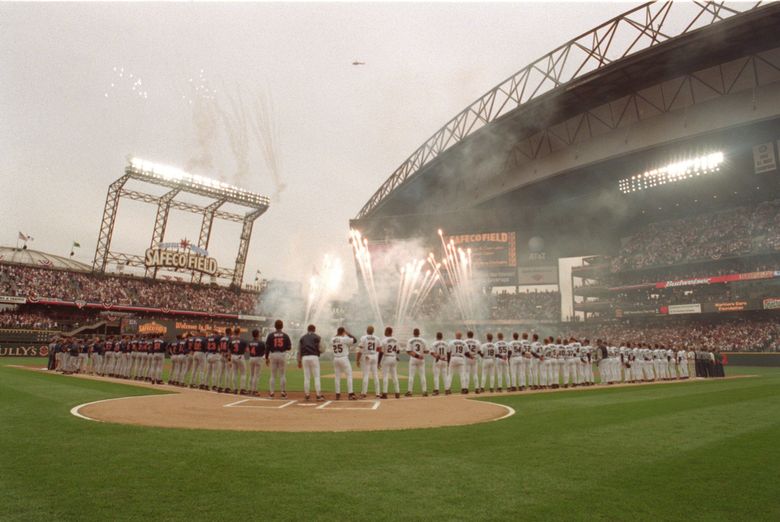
pixel 739 335
pixel 733 232
pixel 38 321
pixel 26 281
pixel 538 306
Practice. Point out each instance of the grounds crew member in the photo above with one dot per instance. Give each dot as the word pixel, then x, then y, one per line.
pixel 309 349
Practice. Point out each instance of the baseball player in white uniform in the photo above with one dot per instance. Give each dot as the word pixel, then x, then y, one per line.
pixel 569 364
pixel 369 350
pixel 587 360
pixel 682 364
pixel 416 348
pixel 516 361
pixel 538 375
pixel 457 354
pixel 691 356
pixel 550 364
pixel 388 362
pixel 472 364
pixel 439 351
pixel 671 364
pixel 341 345
pixel 488 353
pixel 502 362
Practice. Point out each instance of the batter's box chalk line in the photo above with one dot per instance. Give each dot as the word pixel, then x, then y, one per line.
pixel 243 403
pixel 374 405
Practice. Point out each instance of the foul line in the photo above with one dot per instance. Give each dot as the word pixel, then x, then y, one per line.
pixel 510 411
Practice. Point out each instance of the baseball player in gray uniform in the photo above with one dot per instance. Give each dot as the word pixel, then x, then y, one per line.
pixel 277 344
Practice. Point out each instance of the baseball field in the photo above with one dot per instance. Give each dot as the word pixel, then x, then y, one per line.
pixel 703 450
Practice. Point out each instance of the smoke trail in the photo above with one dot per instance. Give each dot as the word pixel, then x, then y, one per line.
pixel 202 100
pixel 236 126
pixel 265 131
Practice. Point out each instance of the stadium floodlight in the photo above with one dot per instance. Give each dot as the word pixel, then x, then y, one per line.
pixel 175 175
pixel 672 173
pixel 179 183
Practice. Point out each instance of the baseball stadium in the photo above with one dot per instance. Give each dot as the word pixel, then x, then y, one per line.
pixel 567 309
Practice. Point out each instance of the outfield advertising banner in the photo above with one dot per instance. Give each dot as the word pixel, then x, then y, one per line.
pixel 729 278
pixel 771 303
pixel 682 309
pixel 732 306
pixel 10 299
pixel 619 312
pixel 764 159
pixel 167 328
pixel 23 350
pixel 537 275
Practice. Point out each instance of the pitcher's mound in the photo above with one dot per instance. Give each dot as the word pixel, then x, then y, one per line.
pixel 208 410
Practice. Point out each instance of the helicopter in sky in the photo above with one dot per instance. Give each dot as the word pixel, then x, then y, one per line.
pixel 357 62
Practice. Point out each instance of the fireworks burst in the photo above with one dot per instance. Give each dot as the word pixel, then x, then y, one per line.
pixel 459 280
pixel 324 285
pixel 123 81
pixel 363 258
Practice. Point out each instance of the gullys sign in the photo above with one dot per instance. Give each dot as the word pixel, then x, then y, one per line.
pixel 181 256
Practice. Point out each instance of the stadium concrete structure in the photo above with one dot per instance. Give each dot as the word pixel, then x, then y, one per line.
pixel 551 152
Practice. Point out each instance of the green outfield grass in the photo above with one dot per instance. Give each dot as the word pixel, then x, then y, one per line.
pixel 690 451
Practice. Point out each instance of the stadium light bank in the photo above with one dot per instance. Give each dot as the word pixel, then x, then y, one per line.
pixel 672 173
pixel 170 174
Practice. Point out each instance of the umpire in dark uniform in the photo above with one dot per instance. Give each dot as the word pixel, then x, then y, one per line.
pixel 53 350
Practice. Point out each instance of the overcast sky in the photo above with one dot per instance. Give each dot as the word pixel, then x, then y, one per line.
pixel 68 120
